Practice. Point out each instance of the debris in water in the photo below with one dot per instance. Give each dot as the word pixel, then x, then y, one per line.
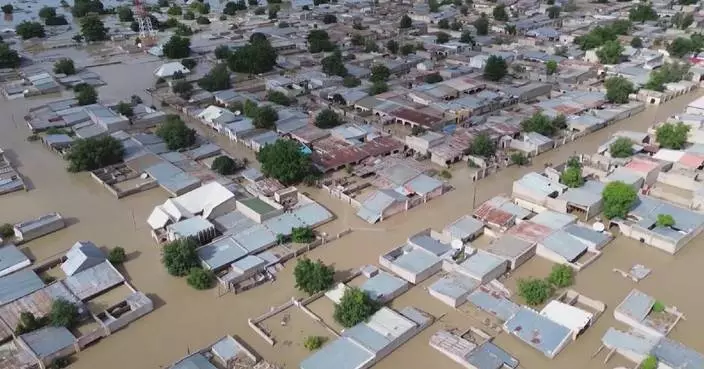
pixel 637 272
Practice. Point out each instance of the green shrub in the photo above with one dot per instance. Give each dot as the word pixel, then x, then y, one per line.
pixel 650 362
pixel 534 291
pixel 117 256
pixel 314 342
pixel 200 278
pixel 63 313
pixel 6 230
pixel 561 276
pixel 658 307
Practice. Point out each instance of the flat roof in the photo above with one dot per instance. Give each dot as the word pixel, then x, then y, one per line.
pixel 19 284
pixel 636 305
pixel 509 247
pixel 221 252
pixel 493 303
pixel 11 256
pixel 464 227
pixel 93 281
pixel 538 331
pixel 563 244
pixel 566 315
pixel 341 353
pixel 429 244
pixel 416 261
pixel 382 285
pixel 454 285
pixel 48 340
pixel 482 263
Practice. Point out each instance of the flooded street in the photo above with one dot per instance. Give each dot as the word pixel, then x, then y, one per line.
pixel 185 320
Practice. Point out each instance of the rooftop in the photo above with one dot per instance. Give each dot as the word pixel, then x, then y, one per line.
pixel 19 284
pixel 538 331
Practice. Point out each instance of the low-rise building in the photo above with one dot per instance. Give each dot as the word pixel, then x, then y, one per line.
pixel 35 228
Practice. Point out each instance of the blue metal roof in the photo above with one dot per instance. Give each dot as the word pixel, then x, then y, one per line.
pixel 464 227
pixel 553 219
pixel 563 244
pixel 499 306
pixel 255 238
pixel 10 256
pixel 312 214
pixel 490 356
pixel 636 305
pixel 221 252
pixel 429 244
pixel 283 224
pixel 676 355
pixel 367 337
pixel 19 284
pixel 195 361
pixel 454 285
pixel 382 285
pixel 482 263
pixel 48 340
pixel 629 341
pixel 416 261
pixel 423 184
pixel 339 354
pixel 538 331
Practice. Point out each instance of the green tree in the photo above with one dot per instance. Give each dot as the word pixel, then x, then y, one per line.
pixel 378 87
pixel 519 159
pixel 433 78
pixel 250 108
pixel 554 12
pixel 680 47
pixel 182 88
pixel 572 177
pixel 610 52
pixel 81 8
pixel 621 26
pixel 561 276
pixel 495 68
pixel 313 343
pixel 636 42
pixel 682 20
pixel 226 166
pixel 302 234
pixel 177 47
pixel 539 123
pixel 8 57
pixel 222 52
pixel 284 161
pixel 618 199
pixel 456 25
pixel 265 118
pixel 94 153
pixel 124 14
pixel 319 40
pixel 27 30
pixel 642 13
pixel 665 220
pixel 180 256
pixel 202 20
pixel 408 49
pixel 47 12
pixel 379 73
pixel 392 46
pixel 442 37
pixel 176 133
pixel 65 66
pixel 327 119
pixel 333 64
pixel 672 135
pixel 444 24
pixel 618 89
pixel 596 37
pixel 231 7
pixel 93 29
pixel 189 63
pixel 313 276
pixel 254 58
pixel 200 279
pixel 500 13
pixel 85 94
pixel 7 8
pixel 355 307
pixel 6 231
pixel 175 11
pixel 117 256
pixel 29 323
pixel 467 38
pixel 217 79
pixel 650 362
pixel 278 98
pixel 63 313
pixel 534 291
pixel 621 148
pixel 550 67
pixel 329 19
pixel 482 25
pixel 667 73
pixel 358 39
pixel 351 81
pixel 433 6
pixel 124 108
pixel 406 22
pixel 482 146
pixel 371 47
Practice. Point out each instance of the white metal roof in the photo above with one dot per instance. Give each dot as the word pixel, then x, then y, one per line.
pixel 566 315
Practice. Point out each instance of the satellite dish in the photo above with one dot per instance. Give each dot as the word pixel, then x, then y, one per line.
pixel 139 45
pixel 237 112
pixel 599 227
pixel 457 244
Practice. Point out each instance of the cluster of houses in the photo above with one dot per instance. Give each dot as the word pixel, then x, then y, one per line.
pixel 10 179
pixel 34 81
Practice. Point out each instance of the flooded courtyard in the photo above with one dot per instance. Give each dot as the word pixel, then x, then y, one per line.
pixel 185 320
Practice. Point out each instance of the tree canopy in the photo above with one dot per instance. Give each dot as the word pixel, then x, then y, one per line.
pixel 682 20
pixel 65 66
pixel 63 313
pixel 29 323
pixel 599 35
pixel 561 276
pixel 667 73
pixel 231 7
pixel 500 13
pixel 285 161
pixel 200 279
pixel 85 94
pixel 495 68
pixel 8 58
pixel 618 199
pixel 665 220
pixel 642 13
pixel 550 67
pixel 542 124
pixel 47 12
pixel 265 118
pixel 313 276
pixel 226 165
pixel 256 57
pixel 81 8
pixel 378 87
pixel 117 256
pixel 319 40
pixel 637 42
pixel 217 79
pixel 554 12
pixel 180 256
pixel 27 30
pixel 534 291
pixel 650 362
pixel 482 25
pixel 466 38
pixel 572 177
pixel 482 146
pixel 618 89
pixel 433 78
pixel 379 73
pixel 333 64
pixel 279 98
pixel 177 47
pixel 222 52
pixel 176 133
pixel 124 108
pixel 442 37
pixel 610 52
pixel 93 29
pixel 327 119
pixel 682 46
pixel 351 81
pixel 672 135
pixel 302 234
pixel 406 22
pixel 7 9
pixel 355 307
pixel 94 153
pixel 124 14
pixel 621 148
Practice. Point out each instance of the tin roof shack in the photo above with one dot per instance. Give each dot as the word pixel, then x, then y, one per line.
pixel 382 286
pixel 19 284
pixel 419 258
pixel 641 224
pixel 10 180
pixel 499 214
pixel 538 331
pixel 472 355
pixel 453 288
pixel 381 204
pixel 494 302
pixel 49 343
pixel 581 200
pixel 196 228
pixel 12 259
pixel 466 229
pixel 636 346
pixel 227 352
pixel 537 192
pixel 517 251
pixel 574 245
pixel 646 314
pixel 35 228
pixel 365 344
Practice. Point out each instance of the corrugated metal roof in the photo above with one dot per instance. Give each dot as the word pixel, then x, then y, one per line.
pixel 539 332
pixel 454 285
pixel 383 285
pixel 342 353
pixel 11 256
pixel 221 252
pixel 493 303
pixel 81 256
pixel 416 261
pixel 195 361
pixel 19 284
pixel 481 263
pixel 93 281
pixel 636 305
pixel 49 340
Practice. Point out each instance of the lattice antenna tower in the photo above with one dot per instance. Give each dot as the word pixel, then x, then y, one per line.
pixel 147 34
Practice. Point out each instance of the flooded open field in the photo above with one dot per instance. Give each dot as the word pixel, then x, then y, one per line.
pixel 185 319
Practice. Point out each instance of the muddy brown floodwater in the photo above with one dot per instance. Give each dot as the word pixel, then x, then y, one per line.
pixel 186 320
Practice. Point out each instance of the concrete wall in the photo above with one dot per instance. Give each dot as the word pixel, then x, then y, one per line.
pixel 680 180
pixel 625 319
pixel 451 301
pixel 394 209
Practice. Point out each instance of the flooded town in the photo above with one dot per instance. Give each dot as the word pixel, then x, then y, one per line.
pixel 321 184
